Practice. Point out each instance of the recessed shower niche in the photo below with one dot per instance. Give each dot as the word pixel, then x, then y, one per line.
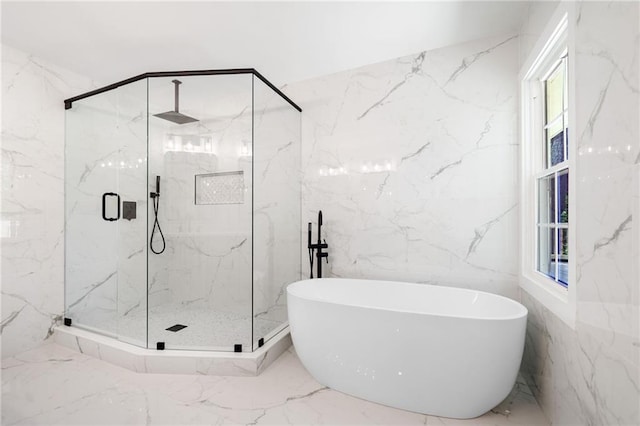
pixel 207 165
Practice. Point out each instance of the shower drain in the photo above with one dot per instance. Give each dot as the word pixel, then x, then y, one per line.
pixel 176 327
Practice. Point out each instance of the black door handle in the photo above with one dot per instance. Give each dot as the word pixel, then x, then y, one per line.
pixel 104 206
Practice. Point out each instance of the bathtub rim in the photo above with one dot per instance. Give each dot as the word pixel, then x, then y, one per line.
pixel 523 314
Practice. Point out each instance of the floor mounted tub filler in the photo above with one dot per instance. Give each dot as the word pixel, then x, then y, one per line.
pixel 436 350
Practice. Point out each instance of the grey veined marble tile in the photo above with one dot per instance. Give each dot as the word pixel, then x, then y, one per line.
pixel 54 385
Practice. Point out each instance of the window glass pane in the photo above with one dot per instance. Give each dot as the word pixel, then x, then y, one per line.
pixel 562 202
pixel 565 97
pixel 546 251
pixel 554 90
pixel 552 190
pixel 546 196
pixel 563 256
pixel 555 144
pixel 566 141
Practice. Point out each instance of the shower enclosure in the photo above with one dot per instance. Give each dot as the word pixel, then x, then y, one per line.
pixel 182 203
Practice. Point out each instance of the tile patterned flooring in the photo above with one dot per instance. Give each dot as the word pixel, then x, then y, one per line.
pixel 55 386
pixel 207 329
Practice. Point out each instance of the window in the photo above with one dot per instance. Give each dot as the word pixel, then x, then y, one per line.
pixel 547 265
pixel 552 181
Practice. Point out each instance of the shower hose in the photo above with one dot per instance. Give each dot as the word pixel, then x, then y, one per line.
pixel 156 224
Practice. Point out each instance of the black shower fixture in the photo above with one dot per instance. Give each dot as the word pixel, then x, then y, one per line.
pixel 155 196
pixel 68 103
pixel 317 248
pixel 175 116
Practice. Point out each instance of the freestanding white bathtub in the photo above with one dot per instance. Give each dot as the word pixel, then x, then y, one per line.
pixel 435 350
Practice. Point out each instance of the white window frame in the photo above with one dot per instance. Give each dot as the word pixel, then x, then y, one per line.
pixel 556 37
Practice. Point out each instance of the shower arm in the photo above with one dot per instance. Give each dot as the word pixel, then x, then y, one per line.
pixel 177 94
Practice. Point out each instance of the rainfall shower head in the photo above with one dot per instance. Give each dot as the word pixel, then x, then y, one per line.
pixel 175 116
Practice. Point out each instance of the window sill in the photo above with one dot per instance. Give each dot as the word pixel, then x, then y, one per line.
pixel 552 296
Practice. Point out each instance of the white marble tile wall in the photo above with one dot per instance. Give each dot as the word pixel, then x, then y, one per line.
pixel 33 123
pixel 413 162
pixel 591 375
pixel 535 19
pixel 208 257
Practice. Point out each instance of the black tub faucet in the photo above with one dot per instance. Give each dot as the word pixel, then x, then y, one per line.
pixel 317 248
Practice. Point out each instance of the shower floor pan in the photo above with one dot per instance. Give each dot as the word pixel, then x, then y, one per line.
pixel 173 361
pixel 205 329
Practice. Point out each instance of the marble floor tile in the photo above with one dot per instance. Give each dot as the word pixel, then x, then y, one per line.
pixel 52 385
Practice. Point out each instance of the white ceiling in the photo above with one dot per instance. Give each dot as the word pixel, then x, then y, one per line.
pixel 285 41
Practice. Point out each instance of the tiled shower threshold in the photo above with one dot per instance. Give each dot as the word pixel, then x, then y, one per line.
pixel 143 360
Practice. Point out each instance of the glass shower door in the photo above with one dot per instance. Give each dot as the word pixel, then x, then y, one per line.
pixel 105 224
pixel 276 212
pixel 200 259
